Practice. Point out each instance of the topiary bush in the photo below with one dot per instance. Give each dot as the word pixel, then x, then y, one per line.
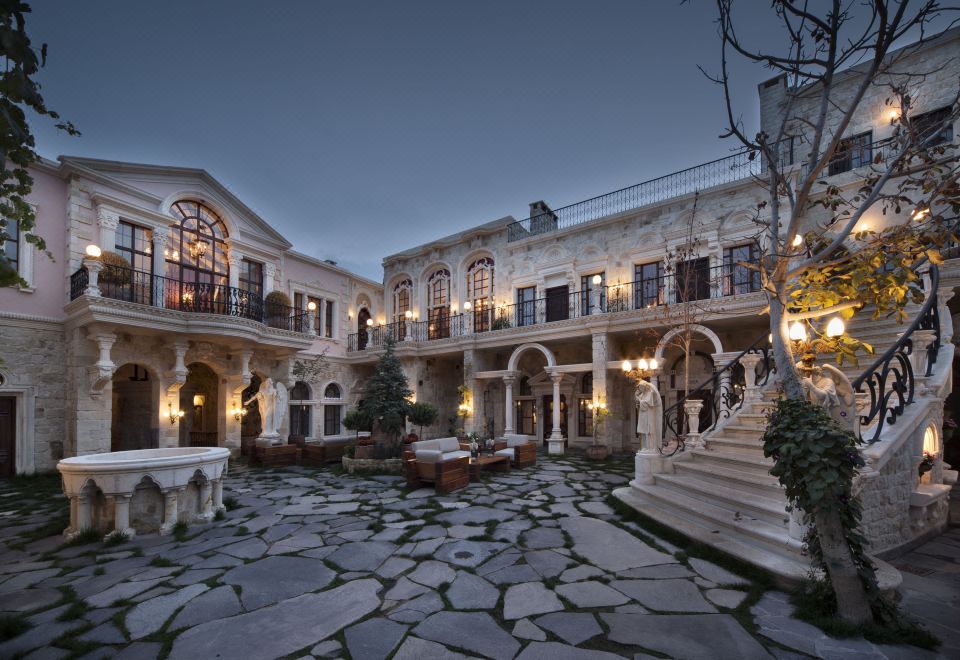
pixel 276 309
pixel 116 269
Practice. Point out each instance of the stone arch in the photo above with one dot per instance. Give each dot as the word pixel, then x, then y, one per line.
pixel 523 348
pixel 698 329
pixel 135 414
pixel 204 197
pixel 340 390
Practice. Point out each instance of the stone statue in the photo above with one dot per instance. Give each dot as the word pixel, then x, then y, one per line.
pixel 649 414
pixel 266 398
pixel 827 386
pixel 283 397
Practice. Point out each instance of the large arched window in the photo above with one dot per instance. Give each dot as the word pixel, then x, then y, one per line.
pixel 480 292
pixel 196 253
pixel 438 304
pixel 401 299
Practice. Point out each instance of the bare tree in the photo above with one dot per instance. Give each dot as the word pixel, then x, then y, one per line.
pixel 818 258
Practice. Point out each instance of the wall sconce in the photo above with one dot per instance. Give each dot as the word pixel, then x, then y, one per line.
pixel 464 409
pixel 311 306
pixel 408 315
pixel 199 400
pixel 238 412
pixel 174 414
pixel 93 251
pixel 644 369
pixel 894 115
pixel 798 332
pixel 797 240
pixel 467 306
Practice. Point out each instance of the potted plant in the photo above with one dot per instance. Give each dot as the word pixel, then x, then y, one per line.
pixel 423 414
pixel 276 310
pixel 357 420
pixel 116 269
pixel 597 451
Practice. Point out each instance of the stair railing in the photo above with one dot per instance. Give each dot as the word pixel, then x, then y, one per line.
pixel 722 395
pixel 890 380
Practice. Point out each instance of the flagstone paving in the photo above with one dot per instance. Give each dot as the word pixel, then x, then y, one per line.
pixel 312 563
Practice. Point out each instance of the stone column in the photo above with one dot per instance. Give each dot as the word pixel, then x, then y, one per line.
pixel 84 514
pixel 105 342
pixel 922 340
pixel 508 381
pixel 311 328
pixel 218 495
pixel 270 278
pixel 159 240
pixel 169 510
pixel 235 259
pixel 692 408
pixel 555 442
pixel 93 266
pixel 108 221
pixel 750 362
pixel 720 360
pixel 121 515
pixel 206 500
pixel 595 299
pixel 180 349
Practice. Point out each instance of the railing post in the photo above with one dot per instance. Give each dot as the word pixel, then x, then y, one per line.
pixel 595 300
pixel 750 362
pixel 720 360
pixel 311 328
pixel 93 266
pixel 922 339
pixel 692 408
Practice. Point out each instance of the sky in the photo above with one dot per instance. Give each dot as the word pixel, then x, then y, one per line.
pixel 360 129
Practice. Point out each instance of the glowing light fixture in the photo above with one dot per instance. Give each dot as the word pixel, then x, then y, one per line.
pixel 894 115
pixel 408 315
pixel 174 414
pixel 369 323
pixel 467 306
pixel 642 364
pixel 597 279
pixel 626 366
pixel 312 306
pixel 797 240
pixel 199 399
pixel 921 213
pixel 835 327
pixel 238 412
pixel 93 251
pixel 653 364
pixel 798 332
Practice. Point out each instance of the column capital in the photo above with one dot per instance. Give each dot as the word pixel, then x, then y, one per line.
pixel 107 218
pixel 510 377
pixel 556 377
pixel 160 236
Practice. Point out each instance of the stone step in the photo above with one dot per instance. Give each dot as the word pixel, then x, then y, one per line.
pixel 719 440
pixel 745 460
pixel 749 504
pixel 737 430
pixel 763 485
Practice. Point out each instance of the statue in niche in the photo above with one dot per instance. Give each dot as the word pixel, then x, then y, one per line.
pixel 649 414
pixel 267 399
pixel 827 386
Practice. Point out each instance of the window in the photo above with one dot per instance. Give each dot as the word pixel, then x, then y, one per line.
pixel 739 279
pixel 438 297
pixel 332 391
pixel 196 258
pixel 316 312
pixel 328 319
pixel 251 278
pixel 135 244
pixel 526 306
pixel 401 299
pixel 11 246
pixel 298 300
pixel 480 292
pixel 331 420
pixel 586 289
pixel 526 421
pixel 584 414
pixel 693 280
pixel 300 409
pixel 852 152
pixel 932 124
pixel 648 285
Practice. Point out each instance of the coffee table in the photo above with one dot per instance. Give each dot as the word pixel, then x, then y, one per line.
pixel 488 463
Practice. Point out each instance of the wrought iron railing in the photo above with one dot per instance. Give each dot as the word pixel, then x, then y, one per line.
pixel 144 288
pixel 696 284
pixel 890 380
pixel 735 167
pixel 722 394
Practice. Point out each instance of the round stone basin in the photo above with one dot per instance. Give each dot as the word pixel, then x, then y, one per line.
pixel 143 490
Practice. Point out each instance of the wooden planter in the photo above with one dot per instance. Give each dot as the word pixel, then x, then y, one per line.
pixel 597 452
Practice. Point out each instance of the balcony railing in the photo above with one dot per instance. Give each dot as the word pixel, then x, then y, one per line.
pixel 143 288
pixel 697 284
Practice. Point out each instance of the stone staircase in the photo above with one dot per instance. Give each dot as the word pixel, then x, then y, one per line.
pixel 723 495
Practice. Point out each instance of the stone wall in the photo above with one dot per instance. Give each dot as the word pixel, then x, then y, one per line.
pixel 32 355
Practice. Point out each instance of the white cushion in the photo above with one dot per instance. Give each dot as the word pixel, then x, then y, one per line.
pixel 425 444
pixel 448 444
pixel 505 452
pixel 428 455
pixel 460 453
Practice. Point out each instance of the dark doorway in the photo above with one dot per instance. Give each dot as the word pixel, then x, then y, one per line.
pixel 8 436
pixel 693 280
pixel 558 308
pixel 363 334
pixel 199 397
pixel 548 417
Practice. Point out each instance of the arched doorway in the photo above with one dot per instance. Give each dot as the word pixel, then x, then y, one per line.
pixel 362 331
pixel 300 411
pixel 134 421
pixel 199 399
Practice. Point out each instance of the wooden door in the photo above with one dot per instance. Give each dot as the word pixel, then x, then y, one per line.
pixel 558 307
pixel 8 442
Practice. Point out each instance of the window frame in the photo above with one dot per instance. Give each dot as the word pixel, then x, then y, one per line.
pixel 244 281
pixel 641 290
pixel 586 288
pixel 12 230
pixel 336 420
pixel 526 309
pixel 738 280
pixel 138 234
pixel 930 117
pixel 852 152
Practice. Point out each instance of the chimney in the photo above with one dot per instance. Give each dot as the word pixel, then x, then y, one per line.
pixel 542 218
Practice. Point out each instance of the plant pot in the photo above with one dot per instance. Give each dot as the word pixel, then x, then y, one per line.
pixel 597 452
pixel 363 451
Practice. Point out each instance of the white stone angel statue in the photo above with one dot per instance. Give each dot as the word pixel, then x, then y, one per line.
pixel 829 387
pixel 649 414
pixel 266 398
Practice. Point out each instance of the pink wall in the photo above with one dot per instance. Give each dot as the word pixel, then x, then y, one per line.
pixel 50 288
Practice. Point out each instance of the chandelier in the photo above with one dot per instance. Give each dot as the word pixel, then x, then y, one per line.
pixel 197 248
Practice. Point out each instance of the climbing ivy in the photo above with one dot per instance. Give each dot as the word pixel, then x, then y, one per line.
pixel 816 461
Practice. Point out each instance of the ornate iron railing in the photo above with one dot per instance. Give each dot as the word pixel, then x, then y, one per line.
pixel 143 288
pixel 722 394
pixel 890 380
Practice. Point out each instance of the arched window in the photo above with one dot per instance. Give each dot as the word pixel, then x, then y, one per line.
pixel 586 384
pixel 332 391
pixel 300 410
pixel 196 258
pixel 401 299
pixel 438 302
pixel 300 392
pixel 480 292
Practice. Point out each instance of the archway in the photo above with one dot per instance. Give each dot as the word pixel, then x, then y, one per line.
pixel 199 399
pixel 701 330
pixel 520 350
pixel 362 333
pixel 134 421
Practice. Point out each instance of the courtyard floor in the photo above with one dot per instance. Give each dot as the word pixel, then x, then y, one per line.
pixel 311 563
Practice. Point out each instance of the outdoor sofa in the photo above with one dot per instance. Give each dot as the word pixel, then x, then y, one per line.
pixel 441 462
pixel 520 449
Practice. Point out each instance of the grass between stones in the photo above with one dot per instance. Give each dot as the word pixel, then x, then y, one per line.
pixel 12 625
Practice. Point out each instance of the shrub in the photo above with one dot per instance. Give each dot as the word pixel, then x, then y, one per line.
pixel 423 414
pixel 500 323
pixel 116 269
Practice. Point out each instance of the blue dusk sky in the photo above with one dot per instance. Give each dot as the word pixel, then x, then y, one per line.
pixel 359 129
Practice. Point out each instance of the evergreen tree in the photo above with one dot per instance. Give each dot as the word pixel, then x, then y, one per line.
pixel 386 396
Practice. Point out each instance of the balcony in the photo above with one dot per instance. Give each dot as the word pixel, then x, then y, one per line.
pixel 143 288
pixel 686 285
